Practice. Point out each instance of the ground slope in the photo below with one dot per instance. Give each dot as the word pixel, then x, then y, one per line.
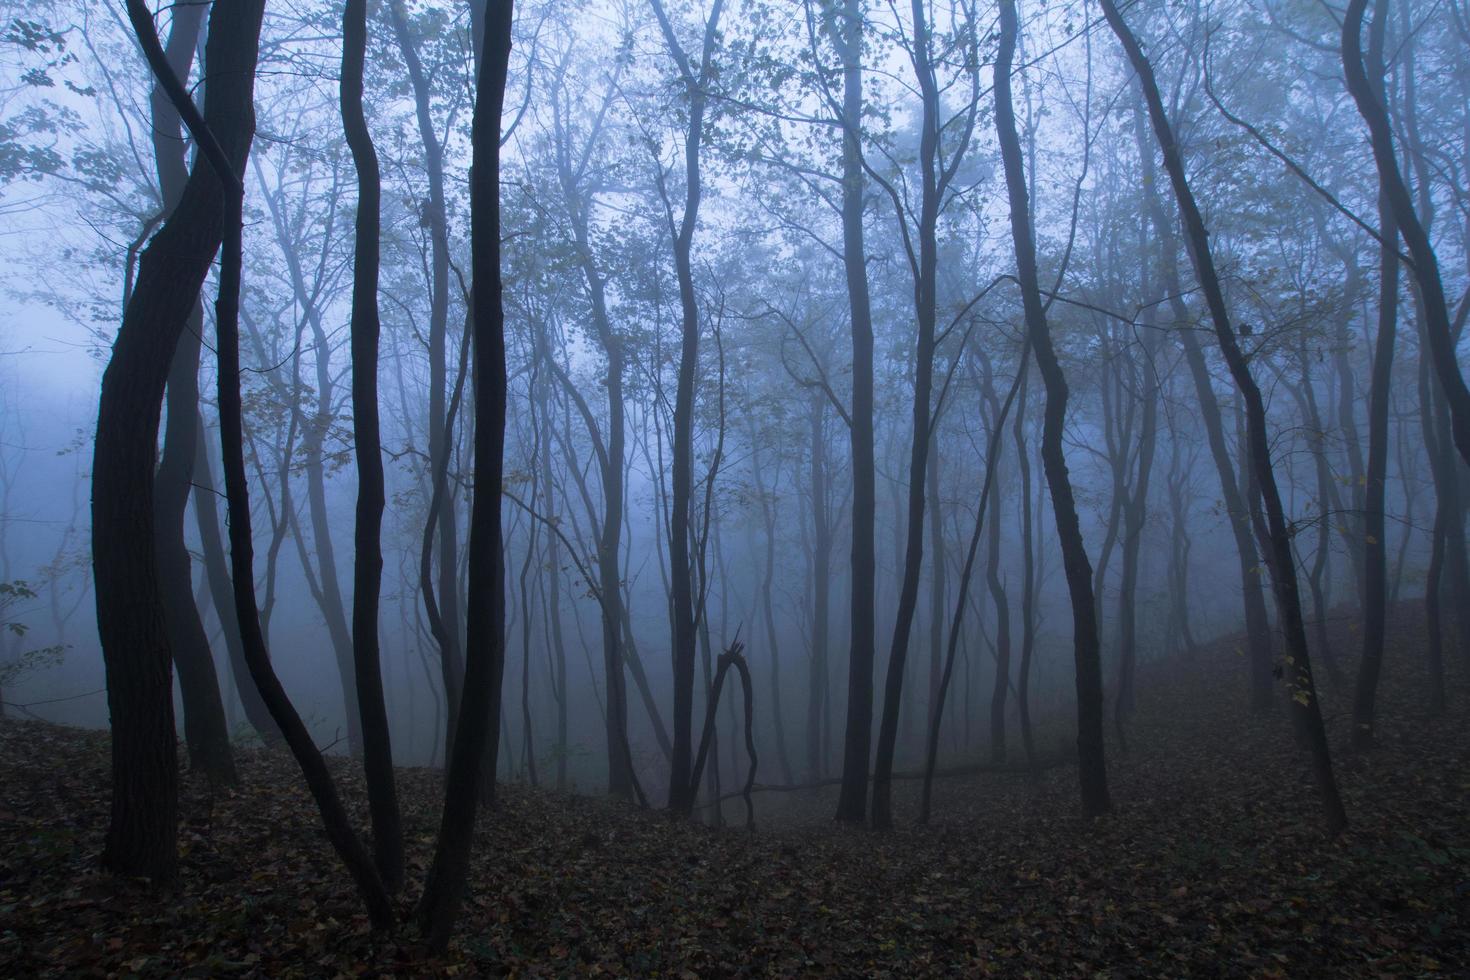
pixel 1212 865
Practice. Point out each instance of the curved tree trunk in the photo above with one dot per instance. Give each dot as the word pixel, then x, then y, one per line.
pixel 1281 561
pixel 1092 768
pixel 367 577
pixel 217 574
pixel 205 730
pixel 441 604
pixel 1253 600
pixel 1434 307
pixel 485 648
pixel 684 627
pixel 142 833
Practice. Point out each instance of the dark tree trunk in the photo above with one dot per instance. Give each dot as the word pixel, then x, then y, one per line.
pixel 141 835
pixel 217 573
pixel 858 731
pixel 684 638
pixel 817 682
pixel 935 175
pixel 485 647
pixel 936 587
pixel 367 577
pixel 1086 649
pixel 226 175
pixel 205 731
pixel 1375 548
pixel 1135 511
pixel 1305 395
pixel 768 613
pixel 442 604
pixel 992 456
pixel 1281 561
pixel 552 597
pixel 1001 687
pixel 1431 297
pixel 1028 584
pixel 1257 623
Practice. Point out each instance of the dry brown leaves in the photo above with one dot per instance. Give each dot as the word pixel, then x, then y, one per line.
pixel 1212 864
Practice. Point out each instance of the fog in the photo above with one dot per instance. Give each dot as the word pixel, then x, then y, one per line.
pixel 776 289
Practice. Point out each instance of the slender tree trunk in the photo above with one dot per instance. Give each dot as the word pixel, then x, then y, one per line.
pixel 609 544
pixel 367 577
pixel 1001 687
pixel 768 511
pixel 858 730
pixel 142 834
pixel 441 603
pixel 1078 571
pixel 485 647
pixel 1432 301
pixel 1257 624
pixel 217 573
pixel 684 639
pixel 1375 547
pixel 936 588
pixel 821 552
pixel 1282 562
pixel 227 319
pixel 205 731
pixel 992 456
pixel 926 283
pixel 1135 512
pixel 553 602
pixel 1028 584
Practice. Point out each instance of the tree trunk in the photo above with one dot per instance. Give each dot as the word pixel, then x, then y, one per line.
pixel 131 624
pixel 485 647
pixel 205 731
pixel 858 729
pixel 925 268
pixel 367 576
pixel 821 552
pixel 217 573
pixel 441 604
pixel 226 173
pixel 1375 548
pixel 1257 624
pixel 1281 562
pixel 1092 764
pixel 1001 687
pixel 1135 512
pixel 681 790
pixel 1028 584
pixel 1433 306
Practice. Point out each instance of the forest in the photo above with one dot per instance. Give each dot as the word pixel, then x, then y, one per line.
pixel 734 488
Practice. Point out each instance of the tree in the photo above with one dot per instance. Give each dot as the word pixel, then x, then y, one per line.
pixel 695 84
pixel 937 174
pixel 142 833
pixel 367 578
pixel 1437 328
pixel 479 714
pixel 1092 766
pixel 1281 561
pixel 1375 548
pixel 204 713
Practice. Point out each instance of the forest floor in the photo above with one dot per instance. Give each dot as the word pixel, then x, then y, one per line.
pixel 1213 863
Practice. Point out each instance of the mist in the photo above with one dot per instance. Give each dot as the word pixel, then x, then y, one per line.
pixel 1031 424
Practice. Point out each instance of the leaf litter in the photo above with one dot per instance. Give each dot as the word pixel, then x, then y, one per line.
pixel 1212 864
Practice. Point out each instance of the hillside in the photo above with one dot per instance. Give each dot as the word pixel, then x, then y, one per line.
pixel 1212 864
